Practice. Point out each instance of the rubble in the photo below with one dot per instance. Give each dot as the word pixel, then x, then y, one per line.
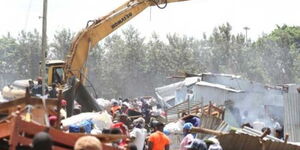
pixel 216 114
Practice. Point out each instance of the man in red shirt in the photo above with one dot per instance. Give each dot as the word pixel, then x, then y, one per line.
pixel 121 124
pixel 158 140
pixel 115 109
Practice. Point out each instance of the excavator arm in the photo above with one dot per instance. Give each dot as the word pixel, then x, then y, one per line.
pixel 88 38
pixel 101 28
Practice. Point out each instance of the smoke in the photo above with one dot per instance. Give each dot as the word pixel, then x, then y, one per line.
pixel 257 106
pixel 256 102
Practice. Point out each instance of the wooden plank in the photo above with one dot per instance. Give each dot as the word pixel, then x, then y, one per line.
pixel 206 131
pixel 14 133
pixel 37 101
pixel 30 128
pixel 60 148
pixel 24 140
pixel 5 129
pixel 13 103
pixel 18 127
pixel 57 136
pixel 26 101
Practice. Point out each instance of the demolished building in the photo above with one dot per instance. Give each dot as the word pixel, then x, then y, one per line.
pixel 253 100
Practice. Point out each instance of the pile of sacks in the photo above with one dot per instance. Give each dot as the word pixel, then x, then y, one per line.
pixel 90 122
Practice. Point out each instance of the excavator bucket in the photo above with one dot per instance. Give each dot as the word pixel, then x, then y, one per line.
pixel 76 91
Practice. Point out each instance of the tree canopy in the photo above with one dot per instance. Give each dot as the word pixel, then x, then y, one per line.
pixel 128 64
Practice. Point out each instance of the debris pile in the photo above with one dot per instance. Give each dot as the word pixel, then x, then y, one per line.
pixel 125 123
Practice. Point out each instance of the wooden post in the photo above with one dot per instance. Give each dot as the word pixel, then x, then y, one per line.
pixel 202 107
pixel 13 140
pixel 197 110
pixel 286 138
pixel 223 114
pixel 206 131
pixel 209 108
pixel 267 132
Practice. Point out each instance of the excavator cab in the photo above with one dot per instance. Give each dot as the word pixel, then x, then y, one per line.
pixel 55 72
pixel 73 90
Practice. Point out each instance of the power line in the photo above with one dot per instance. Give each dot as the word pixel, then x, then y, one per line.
pixel 27 14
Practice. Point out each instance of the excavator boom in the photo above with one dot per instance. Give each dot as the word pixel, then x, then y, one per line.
pixel 88 38
pixel 72 69
pixel 101 28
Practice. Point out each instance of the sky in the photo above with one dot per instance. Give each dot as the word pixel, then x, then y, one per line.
pixel 191 18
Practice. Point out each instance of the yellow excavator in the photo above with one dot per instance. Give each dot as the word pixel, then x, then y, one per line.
pixel 71 73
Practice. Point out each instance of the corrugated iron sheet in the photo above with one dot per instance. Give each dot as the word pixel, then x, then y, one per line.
pixel 218 86
pixel 252 132
pixel 249 139
pixel 242 141
pixel 184 106
pixel 292 116
pixel 167 92
pixel 209 122
pixel 223 127
pixel 215 95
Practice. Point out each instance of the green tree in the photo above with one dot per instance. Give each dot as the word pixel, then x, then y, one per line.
pixel 60 46
pixel 28 54
pixel 220 44
pixel 8 46
pixel 156 62
pixel 127 65
pixel 95 67
pixel 109 69
pixel 280 54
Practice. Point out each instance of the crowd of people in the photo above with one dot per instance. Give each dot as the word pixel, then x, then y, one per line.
pixel 37 89
pixel 275 129
pixel 139 139
pixel 264 123
pixel 141 121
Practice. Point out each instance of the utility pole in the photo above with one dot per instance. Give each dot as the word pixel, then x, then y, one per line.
pixel 246 30
pixel 43 57
pixel 44 46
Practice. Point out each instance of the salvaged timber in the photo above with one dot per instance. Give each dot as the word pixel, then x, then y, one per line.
pixel 20 133
pixel 11 105
pixel 242 141
pixel 206 131
pixel 29 105
pixel 19 126
pixel 194 108
pixel 248 142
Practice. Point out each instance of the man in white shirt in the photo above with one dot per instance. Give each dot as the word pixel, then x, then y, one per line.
pixel 139 133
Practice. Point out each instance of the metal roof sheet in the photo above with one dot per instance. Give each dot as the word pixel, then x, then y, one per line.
pixel 219 86
pixel 241 141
